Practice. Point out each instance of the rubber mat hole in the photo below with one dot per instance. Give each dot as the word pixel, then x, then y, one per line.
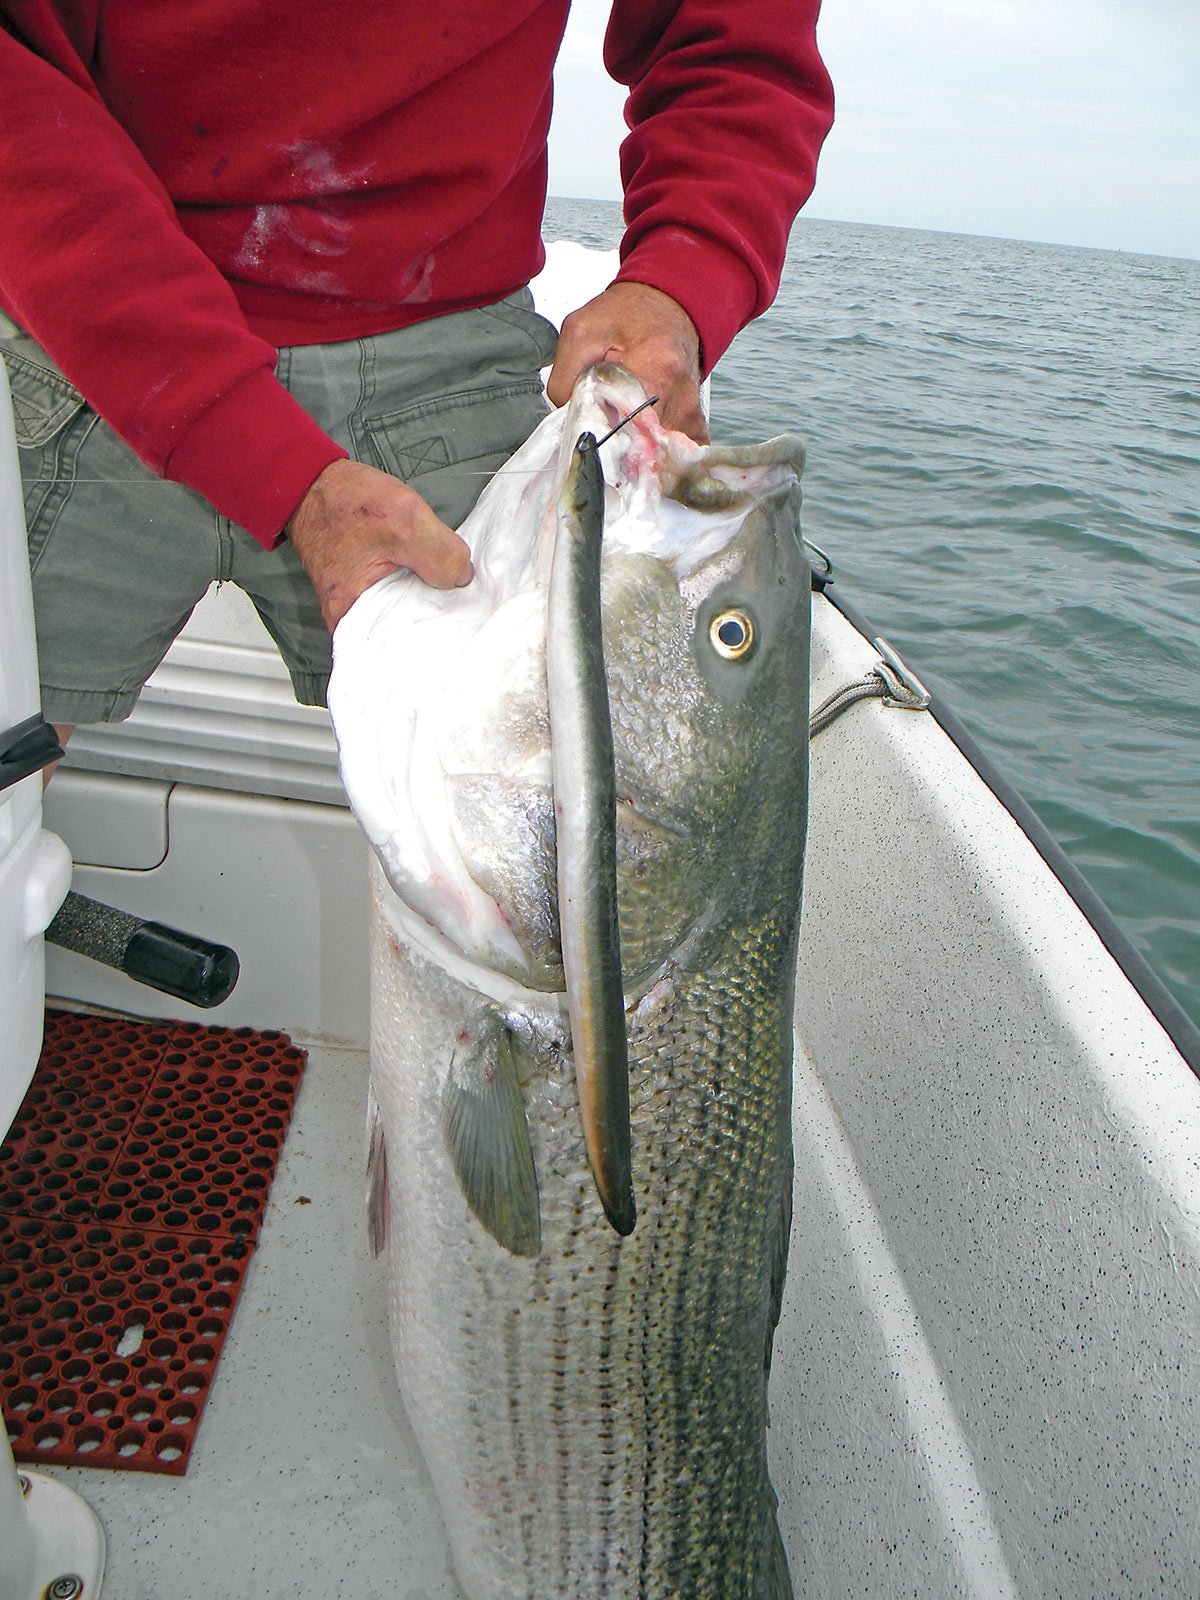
pixel 108 1136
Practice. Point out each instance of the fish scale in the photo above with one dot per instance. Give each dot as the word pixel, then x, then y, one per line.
pixel 627 1374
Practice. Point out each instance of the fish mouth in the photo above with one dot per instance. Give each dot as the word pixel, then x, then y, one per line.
pixel 439 675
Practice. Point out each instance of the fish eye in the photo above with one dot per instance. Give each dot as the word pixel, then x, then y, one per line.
pixel 732 634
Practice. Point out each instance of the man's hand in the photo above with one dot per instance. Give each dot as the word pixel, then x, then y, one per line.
pixel 647 333
pixel 356 524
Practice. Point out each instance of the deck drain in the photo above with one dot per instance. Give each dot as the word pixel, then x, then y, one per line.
pixel 132 1188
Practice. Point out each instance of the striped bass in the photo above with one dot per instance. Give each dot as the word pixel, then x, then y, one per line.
pixel 586 1224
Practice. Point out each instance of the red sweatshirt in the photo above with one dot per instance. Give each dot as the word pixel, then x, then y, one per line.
pixel 187 186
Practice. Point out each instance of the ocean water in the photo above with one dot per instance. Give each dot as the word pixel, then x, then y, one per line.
pixel 1004 466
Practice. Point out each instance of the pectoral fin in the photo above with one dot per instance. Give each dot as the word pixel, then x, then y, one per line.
pixel 484 1127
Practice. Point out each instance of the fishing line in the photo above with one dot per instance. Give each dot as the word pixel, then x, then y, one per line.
pixel 529 472
pixel 143 483
pixel 526 472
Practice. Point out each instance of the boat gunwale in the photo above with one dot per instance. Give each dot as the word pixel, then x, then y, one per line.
pixel 1167 1011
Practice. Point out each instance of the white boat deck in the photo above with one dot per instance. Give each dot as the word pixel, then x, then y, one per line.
pixel 304 1482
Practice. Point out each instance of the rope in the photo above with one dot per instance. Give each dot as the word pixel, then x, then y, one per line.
pixel 881 683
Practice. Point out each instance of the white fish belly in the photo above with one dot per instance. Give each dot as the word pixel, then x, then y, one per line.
pixel 592 1417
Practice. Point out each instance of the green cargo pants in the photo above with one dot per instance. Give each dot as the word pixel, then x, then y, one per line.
pixel 120 557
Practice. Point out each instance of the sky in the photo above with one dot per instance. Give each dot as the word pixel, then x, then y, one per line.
pixel 1071 121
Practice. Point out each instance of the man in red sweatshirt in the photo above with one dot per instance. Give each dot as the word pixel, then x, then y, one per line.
pixel 260 263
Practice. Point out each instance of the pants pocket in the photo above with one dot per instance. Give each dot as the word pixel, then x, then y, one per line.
pixel 448 448
pixel 518 312
pixel 52 420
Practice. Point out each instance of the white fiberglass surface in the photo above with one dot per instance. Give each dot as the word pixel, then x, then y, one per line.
pixel 35 868
pixel 988 1356
pixel 984 1374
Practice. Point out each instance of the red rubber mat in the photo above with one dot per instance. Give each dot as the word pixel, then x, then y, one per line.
pixel 132 1187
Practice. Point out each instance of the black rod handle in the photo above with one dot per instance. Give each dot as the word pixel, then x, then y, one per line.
pixel 27 747
pixel 177 963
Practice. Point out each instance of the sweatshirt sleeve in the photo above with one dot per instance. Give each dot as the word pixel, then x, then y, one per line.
pixel 729 104
pixel 94 265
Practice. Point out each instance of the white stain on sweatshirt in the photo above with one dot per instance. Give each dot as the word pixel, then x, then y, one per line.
pixel 267 225
pixel 422 290
pixel 314 223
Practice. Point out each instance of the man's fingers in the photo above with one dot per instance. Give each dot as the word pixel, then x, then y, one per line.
pixel 357 525
pixel 648 333
pixel 434 552
pixel 562 376
pixel 682 409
